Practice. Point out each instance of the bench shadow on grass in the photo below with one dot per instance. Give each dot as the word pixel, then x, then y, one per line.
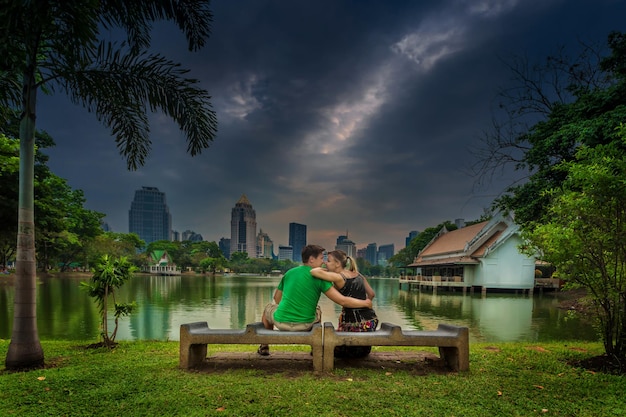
pixel 419 363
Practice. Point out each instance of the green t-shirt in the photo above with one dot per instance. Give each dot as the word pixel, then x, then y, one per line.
pixel 301 292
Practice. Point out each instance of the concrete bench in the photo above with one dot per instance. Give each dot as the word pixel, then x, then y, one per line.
pixel 194 338
pixel 452 341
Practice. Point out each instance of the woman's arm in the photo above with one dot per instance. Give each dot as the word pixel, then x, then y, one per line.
pixel 333 277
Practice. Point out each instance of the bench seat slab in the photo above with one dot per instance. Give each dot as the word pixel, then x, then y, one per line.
pixel 452 341
pixel 194 338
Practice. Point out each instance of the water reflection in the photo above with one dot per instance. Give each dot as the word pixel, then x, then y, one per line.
pixel 66 312
pixel 496 317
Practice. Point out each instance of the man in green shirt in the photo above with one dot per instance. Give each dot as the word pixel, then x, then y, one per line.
pixel 295 300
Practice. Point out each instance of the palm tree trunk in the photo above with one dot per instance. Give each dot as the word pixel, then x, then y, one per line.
pixel 25 350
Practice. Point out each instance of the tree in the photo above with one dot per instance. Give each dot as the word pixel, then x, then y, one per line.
pixel 551 110
pixel 70 228
pixel 56 44
pixel 212 264
pixel 213 257
pixel 110 274
pixel 238 261
pixel 9 168
pixel 571 207
pixel 9 181
pixel 116 245
pixel 63 226
pixel 585 235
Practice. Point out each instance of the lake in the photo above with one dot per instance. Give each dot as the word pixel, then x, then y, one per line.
pixel 64 311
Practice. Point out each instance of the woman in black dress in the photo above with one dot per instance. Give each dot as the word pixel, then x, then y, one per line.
pixel 342 271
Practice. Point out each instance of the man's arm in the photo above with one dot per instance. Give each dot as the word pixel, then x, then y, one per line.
pixel 344 301
pixel 369 290
pixel 326 275
pixel 278 295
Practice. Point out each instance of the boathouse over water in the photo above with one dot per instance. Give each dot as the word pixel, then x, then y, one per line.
pixel 483 256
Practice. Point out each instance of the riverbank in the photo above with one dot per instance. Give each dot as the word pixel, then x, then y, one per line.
pixel 142 378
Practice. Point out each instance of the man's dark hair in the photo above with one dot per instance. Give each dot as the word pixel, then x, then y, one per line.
pixel 311 250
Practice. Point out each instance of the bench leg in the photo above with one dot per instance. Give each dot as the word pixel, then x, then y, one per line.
pixel 451 356
pixel 318 358
pixel 329 356
pixel 192 356
pixel 456 358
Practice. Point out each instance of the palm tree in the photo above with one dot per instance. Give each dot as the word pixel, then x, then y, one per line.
pixel 53 45
pixel 109 275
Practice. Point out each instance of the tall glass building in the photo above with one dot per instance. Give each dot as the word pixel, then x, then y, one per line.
pixel 243 228
pixel 370 254
pixel 149 217
pixel 384 253
pixel 297 240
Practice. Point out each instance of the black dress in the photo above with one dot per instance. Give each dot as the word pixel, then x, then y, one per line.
pixel 355 319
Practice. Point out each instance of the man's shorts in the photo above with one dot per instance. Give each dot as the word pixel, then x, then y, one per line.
pixel 270 309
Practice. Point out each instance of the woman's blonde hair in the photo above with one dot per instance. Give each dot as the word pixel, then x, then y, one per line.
pixel 347 262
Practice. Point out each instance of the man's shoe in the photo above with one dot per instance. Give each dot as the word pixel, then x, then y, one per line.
pixel 263 350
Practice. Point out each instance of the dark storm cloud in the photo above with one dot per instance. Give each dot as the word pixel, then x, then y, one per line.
pixel 343 115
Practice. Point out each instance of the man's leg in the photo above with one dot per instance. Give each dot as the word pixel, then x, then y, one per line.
pixel 268 322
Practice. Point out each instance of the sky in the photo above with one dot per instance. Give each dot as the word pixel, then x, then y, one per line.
pixel 357 117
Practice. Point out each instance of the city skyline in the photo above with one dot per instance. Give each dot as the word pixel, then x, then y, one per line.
pixel 149 216
pixel 375 132
pixel 243 218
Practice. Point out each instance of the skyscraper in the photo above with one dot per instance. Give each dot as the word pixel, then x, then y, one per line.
pixel 243 228
pixel 370 253
pixel 297 240
pixel 285 252
pixel 191 236
pixel 224 245
pixel 384 253
pixel 346 245
pixel 412 235
pixel 149 217
pixel 265 246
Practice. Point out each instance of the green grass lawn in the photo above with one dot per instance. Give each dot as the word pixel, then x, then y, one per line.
pixel 143 379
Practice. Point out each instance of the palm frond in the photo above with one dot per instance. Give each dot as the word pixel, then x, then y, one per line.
pixel 121 88
pixel 193 18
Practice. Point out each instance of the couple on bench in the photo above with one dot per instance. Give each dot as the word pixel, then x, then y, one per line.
pixel 295 300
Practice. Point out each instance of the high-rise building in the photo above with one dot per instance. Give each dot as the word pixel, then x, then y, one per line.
pixel 105 226
pixel 341 238
pixel 191 236
pixel 149 217
pixel 285 252
pixel 265 246
pixel 370 253
pixel 297 240
pixel 243 228
pixel 224 245
pixel 346 245
pixel 384 253
pixel 412 235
